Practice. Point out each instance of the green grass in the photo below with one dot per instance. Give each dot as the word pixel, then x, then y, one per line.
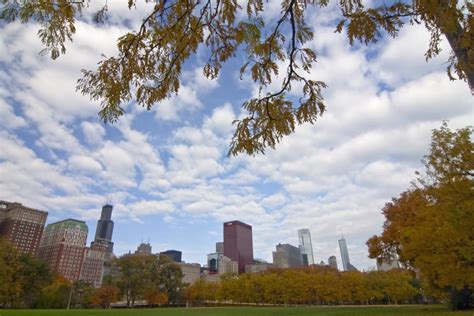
pixel 429 310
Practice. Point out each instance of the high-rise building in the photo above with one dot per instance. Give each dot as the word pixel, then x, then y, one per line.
pixel 346 263
pixel 306 247
pixel 220 247
pixel 63 246
pixel 105 229
pixel 287 256
pixel 238 245
pixel 174 255
pixel 92 270
pixel 22 226
pixel 332 262
pixel 144 249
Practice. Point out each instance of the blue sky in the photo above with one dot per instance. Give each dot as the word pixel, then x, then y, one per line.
pixel 167 171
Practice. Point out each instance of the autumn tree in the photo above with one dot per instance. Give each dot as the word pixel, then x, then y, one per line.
pixel 431 226
pixel 148 66
pixel 105 295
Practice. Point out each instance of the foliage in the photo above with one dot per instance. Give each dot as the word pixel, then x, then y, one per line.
pixel 10 266
pixel 104 296
pixel 312 285
pixel 150 59
pixel 431 226
pixel 56 294
pixel 147 277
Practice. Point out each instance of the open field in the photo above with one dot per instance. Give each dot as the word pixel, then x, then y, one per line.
pixel 431 310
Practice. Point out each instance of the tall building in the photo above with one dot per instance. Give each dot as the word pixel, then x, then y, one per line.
pixel 346 263
pixel 105 229
pixel 287 256
pixel 92 270
pixel 306 247
pixel 174 255
pixel 144 249
pixel 332 262
pixel 22 226
pixel 97 258
pixel 63 246
pixel 238 245
pixel 220 247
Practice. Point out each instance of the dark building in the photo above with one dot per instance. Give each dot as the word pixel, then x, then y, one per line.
pixel 174 255
pixel 105 229
pixel 238 245
pixel 22 226
pixel 332 262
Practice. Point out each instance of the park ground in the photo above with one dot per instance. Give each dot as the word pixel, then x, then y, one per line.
pixel 431 310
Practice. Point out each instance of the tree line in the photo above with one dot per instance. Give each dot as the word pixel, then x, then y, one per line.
pixel 309 286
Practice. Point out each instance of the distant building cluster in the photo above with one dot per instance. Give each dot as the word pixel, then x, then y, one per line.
pixel 63 246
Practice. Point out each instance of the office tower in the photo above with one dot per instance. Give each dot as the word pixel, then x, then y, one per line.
pixel 174 255
pixel 306 247
pixel 346 263
pixel 287 256
pixel 63 246
pixel 144 249
pixel 97 258
pixel 332 262
pixel 22 226
pixel 238 245
pixel 92 270
pixel 105 229
pixel 220 247
pixel 217 263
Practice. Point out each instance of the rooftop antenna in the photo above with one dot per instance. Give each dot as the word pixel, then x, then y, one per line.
pixel 109 199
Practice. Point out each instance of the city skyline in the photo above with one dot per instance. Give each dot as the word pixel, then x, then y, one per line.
pixel 167 171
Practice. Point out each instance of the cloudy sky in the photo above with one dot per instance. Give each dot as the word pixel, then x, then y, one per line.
pixel 166 171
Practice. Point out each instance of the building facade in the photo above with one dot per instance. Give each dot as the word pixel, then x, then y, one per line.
pixel 92 270
pixel 346 263
pixel 174 255
pixel 306 247
pixel 22 226
pixel 332 262
pixel 63 247
pixel 191 272
pixel 220 247
pixel 217 263
pixel 287 256
pixel 238 244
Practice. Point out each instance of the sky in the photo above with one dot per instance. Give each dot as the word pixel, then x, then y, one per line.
pixel 166 171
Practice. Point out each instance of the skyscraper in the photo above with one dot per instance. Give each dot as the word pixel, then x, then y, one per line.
pixel 238 245
pixel 144 249
pixel 287 256
pixel 306 247
pixel 62 247
pixel 346 263
pixel 22 226
pixel 332 262
pixel 105 229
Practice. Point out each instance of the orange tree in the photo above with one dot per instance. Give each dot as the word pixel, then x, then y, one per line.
pixel 431 226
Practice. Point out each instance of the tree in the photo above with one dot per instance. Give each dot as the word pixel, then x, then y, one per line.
pixel 56 294
pixel 33 277
pixel 10 267
pixel 105 295
pixel 171 282
pixel 431 226
pixel 148 66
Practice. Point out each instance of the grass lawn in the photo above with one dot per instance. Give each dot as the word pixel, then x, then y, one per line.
pixel 430 310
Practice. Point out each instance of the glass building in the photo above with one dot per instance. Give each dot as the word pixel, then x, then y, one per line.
pixel 306 247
